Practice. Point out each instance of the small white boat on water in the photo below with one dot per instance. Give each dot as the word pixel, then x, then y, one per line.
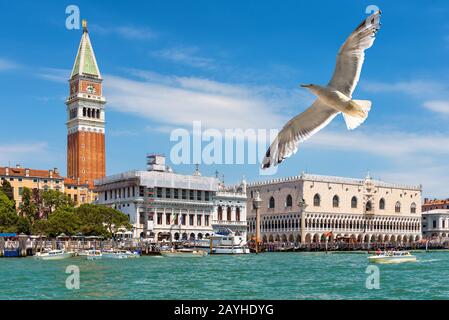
pixel 224 242
pixel 183 253
pixel 53 255
pixel 119 254
pixel 94 255
pixel 392 257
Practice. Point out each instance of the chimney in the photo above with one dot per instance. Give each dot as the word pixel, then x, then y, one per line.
pixel 27 172
pixel 17 166
pixel 7 171
pixel 56 171
pixel 426 200
pixel 50 172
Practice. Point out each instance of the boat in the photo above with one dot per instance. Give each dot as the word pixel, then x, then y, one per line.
pixel 53 255
pixel 184 253
pixel 119 254
pixel 392 257
pixel 94 255
pixel 224 241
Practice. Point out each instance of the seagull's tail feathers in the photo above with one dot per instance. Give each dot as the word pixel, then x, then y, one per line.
pixel 358 114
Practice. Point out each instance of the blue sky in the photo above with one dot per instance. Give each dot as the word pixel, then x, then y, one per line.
pixel 164 61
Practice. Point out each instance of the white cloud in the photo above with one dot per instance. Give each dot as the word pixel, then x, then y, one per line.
pixel 185 55
pixel 417 88
pixel 417 159
pixel 6 64
pixel 22 153
pixel 127 32
pixel 54 74
pixel 178 101
pixel 438 106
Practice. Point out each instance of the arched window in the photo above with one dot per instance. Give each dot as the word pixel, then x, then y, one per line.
pixel 335 201
pixel 397 207
pixel 98 113
pixel 289 201
pixel 382 204
pixel 220 213
pixel 237 214
pixel 228 213
pixel 271 203
pixel 369 207
pixel 354 202
pixel 413 208
pixel 84 112
pixel 316 200
pixel 88 112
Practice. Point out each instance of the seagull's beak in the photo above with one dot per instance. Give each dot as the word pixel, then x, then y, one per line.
pixel 305 85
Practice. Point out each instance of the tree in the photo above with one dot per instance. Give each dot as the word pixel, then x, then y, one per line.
pixel 7 189
pixel 28 208
pixel 98 220
pixel 53 200
pixel 8 215
pixel 63 220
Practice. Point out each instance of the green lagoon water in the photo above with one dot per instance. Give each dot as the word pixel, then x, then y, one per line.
pixel 280 276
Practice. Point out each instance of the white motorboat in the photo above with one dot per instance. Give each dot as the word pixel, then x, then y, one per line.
pixel 392 257
pixel 183 253
pixel 94 255
pixel 224 242
pixel 119 254
pixel 53 255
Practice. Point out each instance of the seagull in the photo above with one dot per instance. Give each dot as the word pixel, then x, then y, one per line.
pixel 333 99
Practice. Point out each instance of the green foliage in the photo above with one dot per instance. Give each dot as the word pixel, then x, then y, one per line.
pixel 28 208
pixel 8 215
pixel 63 220
pixel 7 189
pixel 53 200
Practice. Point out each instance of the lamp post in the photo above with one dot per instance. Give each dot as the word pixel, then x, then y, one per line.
pixel 302 205
pixel 257 201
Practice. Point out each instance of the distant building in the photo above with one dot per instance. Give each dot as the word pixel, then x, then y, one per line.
pixel 434 204
pixel 34 179
pixel 360 210
pixel 435 223
pixel 163 205
pixel 230 210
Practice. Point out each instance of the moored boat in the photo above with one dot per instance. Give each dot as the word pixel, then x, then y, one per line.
pixel 53 255
pixel 183 253
pixel 119 254
pixel 392 257
pixel 94 255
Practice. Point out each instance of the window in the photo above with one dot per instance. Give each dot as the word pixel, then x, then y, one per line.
pixel 176 193
pixel 434 224
pixel 354 202
pixel 237 214
pixel 198 220
pixel 413 208
pixel 159 192
pixel 191 195
pixel 316 200
pixel 141 191
pixel 382 204
pixel 183 219
pixel 184 194
pixel 206 220
pixel 397 207
pixel 369 207
pixel 335 201
pixel 167 218
pixel 159 218
pixel 168 193
pixel 84 112
pixel 206 196
pixel 220 213
pixel 271 203
pixel 228 214
pixel 191 217
pixel 106 196
pixel 198 195
pixel 20 191
pixel 289 201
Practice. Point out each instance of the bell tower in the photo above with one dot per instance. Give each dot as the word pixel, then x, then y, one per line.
pixel 86 159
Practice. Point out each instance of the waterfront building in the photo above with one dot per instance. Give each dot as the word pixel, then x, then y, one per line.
pixel 230 210
pixel 434 204
pixel 314 209
pixel 35 179
pixel 162 204
pixel 86 159
pixel 435 223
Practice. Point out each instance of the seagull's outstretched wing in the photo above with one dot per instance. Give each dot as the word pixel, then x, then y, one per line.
pixel 352 54
pixel 297 130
